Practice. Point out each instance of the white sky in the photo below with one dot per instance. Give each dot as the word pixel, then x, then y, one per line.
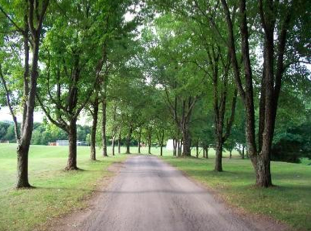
pixel 6 115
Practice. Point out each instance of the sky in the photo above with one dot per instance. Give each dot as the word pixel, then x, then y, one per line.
pixel 6 115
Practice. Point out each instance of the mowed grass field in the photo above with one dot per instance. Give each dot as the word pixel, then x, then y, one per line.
pixel 289 201
pixel 59 192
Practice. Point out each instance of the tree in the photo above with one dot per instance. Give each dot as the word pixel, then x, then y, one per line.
pixel 171 70
pixel 72 67
pixel 276 19
pixel 29 24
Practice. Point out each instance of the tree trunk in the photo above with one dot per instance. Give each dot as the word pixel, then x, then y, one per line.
pixel 139 140
pixel 72 137
pixel 22 167
pixel 218 160
pixel 104 118
pixel 179 147
pixel 94 129
pixel 230 156
pixel 174 146
pixel 161 142
pixel 128 141
pixel 206 154
pixel 262 168
pixel 27 124
pixel 243 152
pixel 186 142
pixel 113 144
pixel 197 149
pixel 149 139
pixel 119 142
pixel 149 143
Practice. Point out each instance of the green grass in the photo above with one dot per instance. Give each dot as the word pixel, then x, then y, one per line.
pixel 57 192
pixel 289 201
pixel 305 161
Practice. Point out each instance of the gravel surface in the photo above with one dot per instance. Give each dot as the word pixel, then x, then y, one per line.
pixel 150 195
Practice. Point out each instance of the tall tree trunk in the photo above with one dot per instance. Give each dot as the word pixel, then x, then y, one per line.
pixel 31 91
pixel 230 156
pixel 179 147
pixel 174 146
pixel 186 142
pixel 197 149
pixel 22 167
pixel 72 137
pixel 94 129
pixel 119 142
pixel 113 144
pixel 23 144
pixel 263 172
pixel 128 141
pixel 149 141
pixel 161 142
pixel 139 140
pixel 243 152
pixel 104 119
pixel 206 154
pixel 149 148
pixel 218 160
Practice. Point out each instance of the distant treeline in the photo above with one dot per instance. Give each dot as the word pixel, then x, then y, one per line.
pixel 43 133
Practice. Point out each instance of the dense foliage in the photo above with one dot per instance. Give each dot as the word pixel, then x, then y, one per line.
pixel 43 133
pixel 210 74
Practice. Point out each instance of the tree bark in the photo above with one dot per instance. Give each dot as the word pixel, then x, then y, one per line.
pixel 263 172
pixel 104 120
pixel 94 129
pixel 197 149
pixel 161 142
pixel 113 144
pixel 218 160
pixel 139 140
pixel 186 142
pixel 179 147
pixel 149 140
pixel 174 146
pixel 72 135
pixel 30 90
pixel 119 142
pixel 22 167
pixel 128 141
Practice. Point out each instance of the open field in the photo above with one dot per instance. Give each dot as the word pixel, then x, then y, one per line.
pixel 57 192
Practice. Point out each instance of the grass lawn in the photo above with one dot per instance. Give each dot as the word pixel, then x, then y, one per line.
pixel 57 192
pixel 289 201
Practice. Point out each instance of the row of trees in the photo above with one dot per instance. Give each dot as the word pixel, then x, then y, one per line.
pixel 43 133
pixel 205 73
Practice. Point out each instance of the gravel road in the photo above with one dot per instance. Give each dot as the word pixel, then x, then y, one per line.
pixel 150 195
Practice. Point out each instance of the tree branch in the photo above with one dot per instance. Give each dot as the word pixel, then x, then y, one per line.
pixel 11 20
pixel 8 99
